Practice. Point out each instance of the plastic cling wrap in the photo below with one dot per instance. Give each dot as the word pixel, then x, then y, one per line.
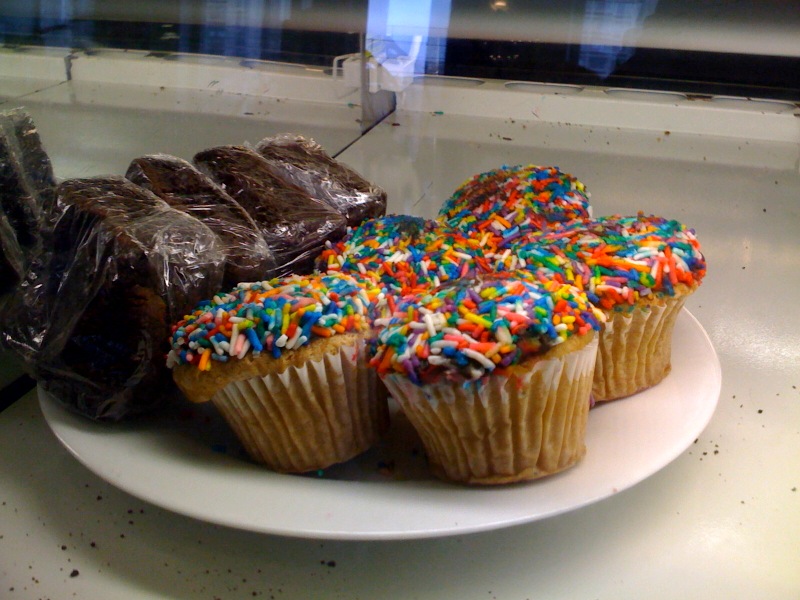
pixel 26 186
pixel 305 163
pixel 92 318
pixel 295 225
pixel 185 188
pixel 12 266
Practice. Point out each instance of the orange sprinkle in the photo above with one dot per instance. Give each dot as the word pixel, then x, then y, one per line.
pixel 386 361
pixel 502 221
pixel 205 358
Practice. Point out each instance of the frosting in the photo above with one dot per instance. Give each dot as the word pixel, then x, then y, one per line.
pixel 272 317
pixel 513 200
pixel 470 328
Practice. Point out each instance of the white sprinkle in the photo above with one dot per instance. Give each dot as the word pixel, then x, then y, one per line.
pixel 444 344
pixel 479 358
pixel 292 342
pixel 429 323
pixel 424 266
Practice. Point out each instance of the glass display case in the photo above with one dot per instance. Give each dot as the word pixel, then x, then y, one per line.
pixel 689 110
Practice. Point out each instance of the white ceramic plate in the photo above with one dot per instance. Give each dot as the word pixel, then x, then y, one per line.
pixel 188 462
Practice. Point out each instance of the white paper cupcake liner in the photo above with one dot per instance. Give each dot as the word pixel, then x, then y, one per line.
pixel 635 349
pixel 308 417
pixel 524 425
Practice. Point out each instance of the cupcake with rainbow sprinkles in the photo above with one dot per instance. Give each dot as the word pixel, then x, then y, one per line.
pixel 639 271
pixel 284 363
pixel 495 374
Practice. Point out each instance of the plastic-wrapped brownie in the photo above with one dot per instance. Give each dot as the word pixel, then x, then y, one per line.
pixel 92 324
pixel 305 163
pixel 27 183
pixel 181 185
pixel 295 225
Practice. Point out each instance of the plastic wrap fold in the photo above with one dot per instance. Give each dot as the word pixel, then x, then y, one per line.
pixel 181 185
pixel 303 162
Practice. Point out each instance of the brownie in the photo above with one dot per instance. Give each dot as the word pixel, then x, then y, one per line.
pixel 181 185
pixel 122 267
pixel 305 163
pixel 294 224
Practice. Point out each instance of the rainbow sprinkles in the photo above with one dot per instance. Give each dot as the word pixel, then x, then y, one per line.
pixel 272 317
pixel 471 328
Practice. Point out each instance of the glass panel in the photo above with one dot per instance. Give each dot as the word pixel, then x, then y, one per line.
pixel 712 47
pixel 305 32
pixel 736 48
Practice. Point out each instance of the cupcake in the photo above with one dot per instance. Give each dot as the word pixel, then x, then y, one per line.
pixel 495 375
pixel 284 363
pixel 511 201
pixel 639 271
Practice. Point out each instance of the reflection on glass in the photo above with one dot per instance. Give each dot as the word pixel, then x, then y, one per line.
pixel 610 32
pixel 300 31
pixel 408 37
pixel 228 28
pixel 746 48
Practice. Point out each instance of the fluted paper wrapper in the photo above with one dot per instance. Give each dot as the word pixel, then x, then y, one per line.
pixel 307 417
pixel 515 427
pixel 635 349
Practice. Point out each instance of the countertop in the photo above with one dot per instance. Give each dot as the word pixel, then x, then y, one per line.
pixel 720 521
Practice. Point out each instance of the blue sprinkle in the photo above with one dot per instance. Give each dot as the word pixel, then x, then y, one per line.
pixel 252 336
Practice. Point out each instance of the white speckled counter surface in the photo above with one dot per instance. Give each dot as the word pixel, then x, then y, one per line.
pixel 720 521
